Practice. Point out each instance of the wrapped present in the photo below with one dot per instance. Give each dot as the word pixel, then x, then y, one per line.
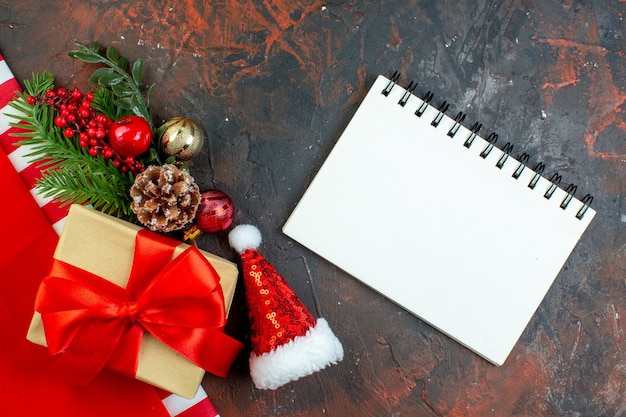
pixel 137 302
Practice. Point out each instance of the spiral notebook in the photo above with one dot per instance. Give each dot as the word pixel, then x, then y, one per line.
pixel 440 220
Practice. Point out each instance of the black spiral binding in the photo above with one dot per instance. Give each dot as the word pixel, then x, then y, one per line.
pixel 473 132
pixel 458 120
pixel 407 94
pixel 555 180
pixel 587 199
pixel 570 190
pixel 491 139
pixel 442 110
pixel 523 159
pixel 425 102
pixel 506 152
pixel 394 79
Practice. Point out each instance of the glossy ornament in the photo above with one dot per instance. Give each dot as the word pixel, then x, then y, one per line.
pixel 181 138
pixel 130 136
pixel 215 214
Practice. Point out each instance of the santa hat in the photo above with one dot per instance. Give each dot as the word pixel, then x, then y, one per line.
pixel 287 341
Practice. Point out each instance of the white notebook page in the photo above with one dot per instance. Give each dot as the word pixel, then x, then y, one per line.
pixel 435 227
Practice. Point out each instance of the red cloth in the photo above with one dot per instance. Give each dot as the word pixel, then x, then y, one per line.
pixel 25 390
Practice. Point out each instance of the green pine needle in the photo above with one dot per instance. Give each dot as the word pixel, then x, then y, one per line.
pixel 104 102
pixel 98 189
pixel 69 174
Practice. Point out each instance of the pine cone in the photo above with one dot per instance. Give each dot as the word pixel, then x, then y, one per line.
pixel 165 198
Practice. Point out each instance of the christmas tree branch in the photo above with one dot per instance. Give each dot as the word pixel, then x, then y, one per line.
pixel 96 189
pixel 69 173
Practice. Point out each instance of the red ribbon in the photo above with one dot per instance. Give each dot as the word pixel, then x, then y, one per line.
pixel 92 323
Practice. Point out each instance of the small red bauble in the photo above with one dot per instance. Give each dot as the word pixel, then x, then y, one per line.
pixel 130 135
pixel 215 212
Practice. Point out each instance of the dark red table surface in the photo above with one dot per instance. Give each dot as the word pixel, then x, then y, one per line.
pixel 273 83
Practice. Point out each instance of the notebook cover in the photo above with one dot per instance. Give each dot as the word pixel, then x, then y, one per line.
pixel 444 232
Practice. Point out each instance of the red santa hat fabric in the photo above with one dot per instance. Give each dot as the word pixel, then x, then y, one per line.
pixel 288 342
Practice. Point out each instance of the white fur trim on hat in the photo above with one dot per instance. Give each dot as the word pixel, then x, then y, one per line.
pixel 304 355
pixel 244 236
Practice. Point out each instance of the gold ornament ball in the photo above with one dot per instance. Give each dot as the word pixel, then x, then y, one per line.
pixel 181 138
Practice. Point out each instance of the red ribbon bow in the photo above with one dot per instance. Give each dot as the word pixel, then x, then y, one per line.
pixel 91 322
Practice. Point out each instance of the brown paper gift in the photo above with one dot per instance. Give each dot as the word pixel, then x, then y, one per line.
pixel 104 245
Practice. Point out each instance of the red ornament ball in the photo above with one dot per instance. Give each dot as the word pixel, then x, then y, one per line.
pixel 130 135
pixel 215 212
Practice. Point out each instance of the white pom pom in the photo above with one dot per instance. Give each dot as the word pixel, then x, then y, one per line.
pixel 244 236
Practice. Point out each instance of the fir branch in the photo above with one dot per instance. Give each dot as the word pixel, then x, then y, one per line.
pixel 44 141
pixel 107 193
pixel 69 173
pixel 41 83
pixel 104 102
